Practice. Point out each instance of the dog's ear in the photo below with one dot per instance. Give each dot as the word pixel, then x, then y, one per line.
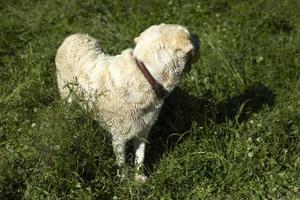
pixel 136 40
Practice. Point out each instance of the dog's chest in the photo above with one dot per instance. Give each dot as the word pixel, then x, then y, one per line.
pixel 143 119
pixel 127 118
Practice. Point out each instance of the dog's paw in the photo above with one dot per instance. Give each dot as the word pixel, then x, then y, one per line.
pixel 140 178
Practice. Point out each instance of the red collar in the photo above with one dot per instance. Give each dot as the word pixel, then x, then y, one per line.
pixel 158 88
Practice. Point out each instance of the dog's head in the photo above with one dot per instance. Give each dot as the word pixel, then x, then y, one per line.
pixel 167 50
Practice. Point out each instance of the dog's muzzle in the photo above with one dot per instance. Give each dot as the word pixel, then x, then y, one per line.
pixel 193 55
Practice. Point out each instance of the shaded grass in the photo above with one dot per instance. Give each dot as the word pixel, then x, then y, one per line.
pixel 230 131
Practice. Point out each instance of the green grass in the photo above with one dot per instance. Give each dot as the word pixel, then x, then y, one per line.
pixel 230 131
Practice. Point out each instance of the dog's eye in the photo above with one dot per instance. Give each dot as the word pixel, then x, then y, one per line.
pixel 178 50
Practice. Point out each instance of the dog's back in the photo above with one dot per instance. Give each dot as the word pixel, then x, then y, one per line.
pixel 76 52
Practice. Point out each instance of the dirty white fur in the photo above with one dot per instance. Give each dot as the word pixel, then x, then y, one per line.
pixel 124 101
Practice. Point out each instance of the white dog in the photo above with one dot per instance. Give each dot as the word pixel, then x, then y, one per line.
pixel 126 91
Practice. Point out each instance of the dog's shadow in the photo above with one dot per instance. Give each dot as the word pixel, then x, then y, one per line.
pixel 180 110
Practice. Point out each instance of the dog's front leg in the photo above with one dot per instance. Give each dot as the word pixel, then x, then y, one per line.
pixel 119 145
pixel 139 147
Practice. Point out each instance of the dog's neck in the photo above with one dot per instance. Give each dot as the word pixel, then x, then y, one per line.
pixel 158 88
pixel 157 67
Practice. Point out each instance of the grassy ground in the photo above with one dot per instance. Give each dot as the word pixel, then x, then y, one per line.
pixel 230 131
